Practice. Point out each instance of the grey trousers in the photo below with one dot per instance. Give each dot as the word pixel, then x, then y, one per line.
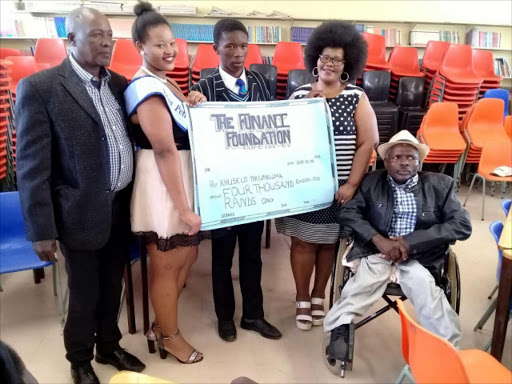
pixel 369 283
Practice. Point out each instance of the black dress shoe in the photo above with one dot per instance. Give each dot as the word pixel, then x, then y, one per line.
pixel 122 360
pixel 227 330
pixel 83 374
pixel 263 327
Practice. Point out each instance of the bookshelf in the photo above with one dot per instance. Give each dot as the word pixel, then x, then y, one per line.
pixel 122 22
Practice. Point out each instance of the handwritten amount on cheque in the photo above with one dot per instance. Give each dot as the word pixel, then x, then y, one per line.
pixel 249 191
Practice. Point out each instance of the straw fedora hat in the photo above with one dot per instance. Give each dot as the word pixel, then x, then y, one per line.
pixel 403 137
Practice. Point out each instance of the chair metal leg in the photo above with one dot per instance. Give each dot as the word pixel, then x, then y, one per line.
pixel 60 298
pixel 130 306
pixel 483 198
pixel 145 288
pixel 406 372
pixel 493 292
pixel 470 188
pixel 486 315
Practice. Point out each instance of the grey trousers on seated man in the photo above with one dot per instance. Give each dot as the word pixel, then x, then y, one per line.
pixel 368 284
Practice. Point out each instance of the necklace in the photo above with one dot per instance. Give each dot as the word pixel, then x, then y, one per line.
pixel 164 81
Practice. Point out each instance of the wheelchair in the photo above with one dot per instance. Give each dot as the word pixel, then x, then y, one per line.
pixel 450 282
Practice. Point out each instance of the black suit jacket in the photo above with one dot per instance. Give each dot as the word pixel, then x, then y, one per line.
pixel 214 89
pixel 63 166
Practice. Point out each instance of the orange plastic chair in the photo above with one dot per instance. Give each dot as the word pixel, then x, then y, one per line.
pixel 20 66
pixel 457 65
pixel 376 52
pixel 508 126
pixel 126 59
pixel 51 51
pixel 205 58
pixel 182 62
pixel 404 62
pixel 483 65
pixel 253 55
pixel 494 154
pixel 4 52
pixel 288 56
pixel 431 359
pixel 433 55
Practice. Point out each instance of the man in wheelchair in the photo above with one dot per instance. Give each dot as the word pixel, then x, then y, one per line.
pixel 402 223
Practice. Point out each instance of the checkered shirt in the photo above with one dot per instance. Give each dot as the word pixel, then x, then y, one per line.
pixel 119 145
pixel 403 221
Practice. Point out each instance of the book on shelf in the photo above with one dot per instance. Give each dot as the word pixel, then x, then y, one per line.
pixel 501 67
pixel 481 39
pixel 52 6
pixel 36 27
pixel 261 34
pixel 392 36
pixel 193 32
pixel 301 34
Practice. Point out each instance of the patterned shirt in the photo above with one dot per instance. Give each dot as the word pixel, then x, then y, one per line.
pixel 119 145
pixel 403 220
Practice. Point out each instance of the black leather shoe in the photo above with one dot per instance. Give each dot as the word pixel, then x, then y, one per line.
pixel 227 330
pixel 83 374
pixel 263 327
pixel 122 360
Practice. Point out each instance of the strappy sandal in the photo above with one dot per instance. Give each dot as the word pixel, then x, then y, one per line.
pixel 304 322
pixel 152 337
pixel 195 356
pixel 318 314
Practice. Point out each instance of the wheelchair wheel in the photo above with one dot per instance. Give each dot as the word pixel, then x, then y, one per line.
pixel 338 272
pixel 453 273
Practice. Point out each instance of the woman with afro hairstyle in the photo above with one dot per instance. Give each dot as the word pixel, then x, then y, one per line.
pixel 335 54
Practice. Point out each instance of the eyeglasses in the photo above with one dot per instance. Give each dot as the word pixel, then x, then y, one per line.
pixel 335 61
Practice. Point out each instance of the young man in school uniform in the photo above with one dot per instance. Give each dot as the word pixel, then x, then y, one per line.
pixel 231 82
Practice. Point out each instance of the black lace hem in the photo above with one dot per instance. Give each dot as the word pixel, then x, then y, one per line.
pixel 165 244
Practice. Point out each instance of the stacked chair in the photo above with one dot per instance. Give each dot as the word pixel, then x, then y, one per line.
pixel 432 58
pixel 205 58
pixel 376 87
pixel 19 67
pixel 7 133
pixel 440 131
pixel 508 126
pixel 180 73
pixel 494 154
pixel 376 60
pixel 126 59
pixel 4 52
pixel 404 63
pixel 297 78
pixel 482 124
pixel 253 55
pixel 455 79
pixel 287 56
pixel 410 103
pixel 270 72
pixel 50 51
pixel 483 65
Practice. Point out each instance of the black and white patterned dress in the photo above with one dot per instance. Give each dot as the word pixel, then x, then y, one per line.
pixel 320 227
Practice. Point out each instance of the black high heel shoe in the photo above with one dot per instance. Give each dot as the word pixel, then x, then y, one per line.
pixel 152 337
pixel 195 356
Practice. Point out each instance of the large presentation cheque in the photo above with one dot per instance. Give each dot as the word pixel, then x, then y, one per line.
pixel 261 160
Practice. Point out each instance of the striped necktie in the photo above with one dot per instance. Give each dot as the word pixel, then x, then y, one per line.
pixel 242 90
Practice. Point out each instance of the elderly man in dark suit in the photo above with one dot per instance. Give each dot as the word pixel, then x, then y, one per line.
pixel 75 166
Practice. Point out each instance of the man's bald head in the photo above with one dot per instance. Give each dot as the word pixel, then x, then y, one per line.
pixel 79 18
pixel 90 37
